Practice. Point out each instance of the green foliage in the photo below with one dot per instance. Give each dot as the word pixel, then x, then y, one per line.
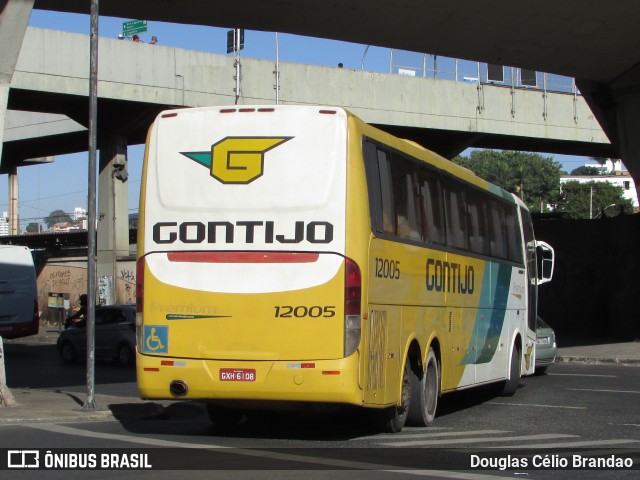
pixel 600 160
pixel 586 171
pixel 33 228
pixel 533 177
pixel 57 216
pixel 589 200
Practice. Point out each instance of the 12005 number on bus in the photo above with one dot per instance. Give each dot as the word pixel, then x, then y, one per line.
pixel 387 268
pixel 302 311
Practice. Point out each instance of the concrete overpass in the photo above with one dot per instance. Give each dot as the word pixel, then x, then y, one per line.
pixel 592 40
pixel 137 80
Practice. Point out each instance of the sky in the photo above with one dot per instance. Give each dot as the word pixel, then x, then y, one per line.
pixel 63 184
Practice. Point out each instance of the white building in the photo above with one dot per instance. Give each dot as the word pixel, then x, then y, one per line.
pixel 611 173
pixel 4 225
pixel 79 213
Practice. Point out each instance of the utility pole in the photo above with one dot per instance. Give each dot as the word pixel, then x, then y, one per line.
pixel 277 72
pixel 90 403
pixel 236 43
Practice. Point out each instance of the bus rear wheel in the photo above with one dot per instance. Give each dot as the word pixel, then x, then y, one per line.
pixel 424 393
pixel 392 419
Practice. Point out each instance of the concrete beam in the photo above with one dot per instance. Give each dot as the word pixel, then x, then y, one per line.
pixel 53 66
pixel 14 17
pixel 33 125
pixel 31 138
pixel 578 38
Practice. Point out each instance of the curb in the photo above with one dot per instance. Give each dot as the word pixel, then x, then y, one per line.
pixel 631 362
pixel 51 409
pixel 81 417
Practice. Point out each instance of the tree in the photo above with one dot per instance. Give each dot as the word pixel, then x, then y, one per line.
pixel 586 171
pixel 600 160
pixel 533 177
pixel 57 216
pixel 33 227
pixel 590 199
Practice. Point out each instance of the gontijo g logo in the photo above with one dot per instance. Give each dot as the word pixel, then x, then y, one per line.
pixel 237 160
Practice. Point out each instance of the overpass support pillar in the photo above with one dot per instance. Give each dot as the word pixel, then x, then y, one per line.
pixel 617 107
pixel 13 201
pixel 628 125
pixel 14 17
pixel 113 216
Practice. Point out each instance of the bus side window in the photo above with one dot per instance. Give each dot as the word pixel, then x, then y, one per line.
pixel 498 230
pixel 433 228
pixel 457 230
pixel 408 226
pixel 478 223
pixel 386 189
pixel 513 235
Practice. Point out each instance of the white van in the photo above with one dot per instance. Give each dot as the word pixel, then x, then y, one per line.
pixel 19 314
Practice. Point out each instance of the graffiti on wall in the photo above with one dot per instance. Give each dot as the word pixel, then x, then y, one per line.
pixel 126 283
pixel 72 279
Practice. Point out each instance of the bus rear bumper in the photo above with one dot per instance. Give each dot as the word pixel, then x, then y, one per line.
pixel 316 381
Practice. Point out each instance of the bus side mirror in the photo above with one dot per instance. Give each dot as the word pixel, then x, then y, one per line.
pixel 545 259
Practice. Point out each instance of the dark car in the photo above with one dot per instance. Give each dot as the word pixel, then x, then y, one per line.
pixel 115 334
pixel 546 348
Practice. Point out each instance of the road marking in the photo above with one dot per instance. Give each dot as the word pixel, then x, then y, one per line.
pixel 62 429
pixel 454 441
pixel 602 390
pixel 581 375
pixel 586 443
pixel 428 434
pixel 536 405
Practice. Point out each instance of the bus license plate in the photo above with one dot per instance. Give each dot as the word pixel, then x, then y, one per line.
pixel 237 375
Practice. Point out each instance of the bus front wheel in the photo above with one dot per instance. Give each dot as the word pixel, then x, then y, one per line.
pixel 511 385
pixel 424 393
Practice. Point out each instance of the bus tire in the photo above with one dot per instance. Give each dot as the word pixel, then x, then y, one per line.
pixel 224 417
pixel 424 393
pixel 511 385
pixel 392 419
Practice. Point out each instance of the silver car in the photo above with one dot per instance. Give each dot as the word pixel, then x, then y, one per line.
pixel 546 348
pixel 115 334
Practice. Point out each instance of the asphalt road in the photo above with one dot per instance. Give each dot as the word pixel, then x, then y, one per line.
pixel 580 409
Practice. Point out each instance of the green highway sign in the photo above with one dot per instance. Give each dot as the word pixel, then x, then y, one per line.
pixel 133 26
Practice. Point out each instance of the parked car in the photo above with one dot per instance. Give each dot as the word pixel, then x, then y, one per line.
pixel 115 333
pixel 546 348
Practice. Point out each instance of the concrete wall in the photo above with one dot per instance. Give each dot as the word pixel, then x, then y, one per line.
pixel 70 276
pixel 595 290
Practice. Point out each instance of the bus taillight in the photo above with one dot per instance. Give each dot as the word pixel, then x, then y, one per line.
pixel 352 307
pixel 139 285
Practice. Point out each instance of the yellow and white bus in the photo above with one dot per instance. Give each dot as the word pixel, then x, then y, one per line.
pixel 294 256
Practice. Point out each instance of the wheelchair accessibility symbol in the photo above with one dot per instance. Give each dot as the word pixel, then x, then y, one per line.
pixel 156 339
